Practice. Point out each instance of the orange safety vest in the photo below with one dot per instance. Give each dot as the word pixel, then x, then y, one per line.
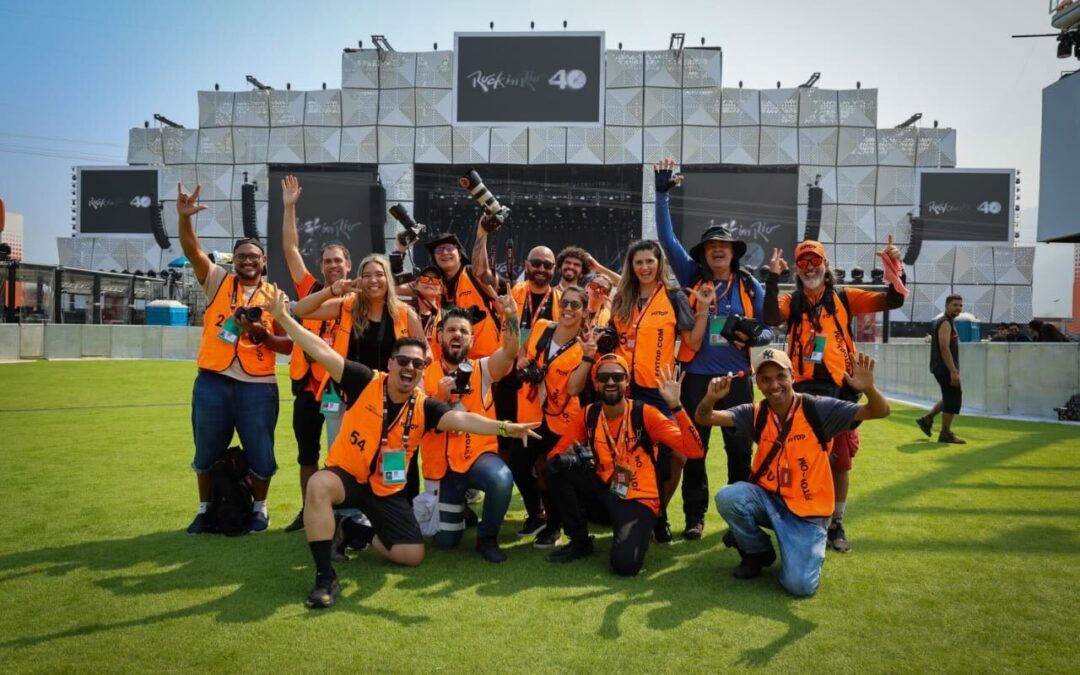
pixel 300 364
pixel 339 338
pixel 557 407
pixel 454 449
pixel 216 354
pixel 799 473
pixel 486 334
pixel 521 294
pixel 686 353
pixel 834 320
pixel 358 445
pixel 626 443
pixel 652 332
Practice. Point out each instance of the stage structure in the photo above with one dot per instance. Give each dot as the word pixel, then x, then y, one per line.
pixel 395 111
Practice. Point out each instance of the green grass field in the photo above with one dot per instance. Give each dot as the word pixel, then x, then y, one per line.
pixel 965 559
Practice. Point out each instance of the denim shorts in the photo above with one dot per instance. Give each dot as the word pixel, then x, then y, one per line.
pixel 221 405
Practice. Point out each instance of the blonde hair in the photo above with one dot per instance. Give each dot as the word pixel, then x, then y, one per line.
pixel 362 303
pixel 629 286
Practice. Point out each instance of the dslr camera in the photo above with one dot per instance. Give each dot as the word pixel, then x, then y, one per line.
pixel 252 314
pixel 607 339
pixel 462 378
pixel 738 323
pixel 578 456
pixel 413 230
pixel 531 373
pixel 397 268
pixel 497 214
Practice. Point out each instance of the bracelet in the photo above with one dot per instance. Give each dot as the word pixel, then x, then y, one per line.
pixel 588 359
pixel 677 409
pixel 502 428
pixel 701 315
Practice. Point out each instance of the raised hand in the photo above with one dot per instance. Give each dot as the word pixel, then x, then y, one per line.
pixel 665 180
pixel 522 432
pixel 588 343
pixel 705 295
pixel 777 264
pixel 719 387
pixel 891 250
pixel 290 190
pixel 670 388
pixel 341 287
pixel 507 307
pixel 279 303
pixel 188 204
pixel 862 373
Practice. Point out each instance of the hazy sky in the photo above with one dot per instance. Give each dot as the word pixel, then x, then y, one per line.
pixel 78 75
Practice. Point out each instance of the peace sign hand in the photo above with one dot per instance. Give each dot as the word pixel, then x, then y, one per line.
pixel 777 264
pixel 588 343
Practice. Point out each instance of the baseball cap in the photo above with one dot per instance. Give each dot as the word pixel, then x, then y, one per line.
pixel 608 359
pixel 772 355
pixel 809 247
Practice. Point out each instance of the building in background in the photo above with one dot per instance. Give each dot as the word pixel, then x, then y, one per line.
pixel 13 234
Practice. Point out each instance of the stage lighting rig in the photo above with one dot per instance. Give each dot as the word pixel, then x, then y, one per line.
pixel 676 43
pixel 1068 41
pixel 353 50
pixel 909 121
pixel 167 122
pixel 253 81
pixel 811 82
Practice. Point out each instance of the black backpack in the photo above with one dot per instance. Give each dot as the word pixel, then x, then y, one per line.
pixel 231 497
pixel 637 422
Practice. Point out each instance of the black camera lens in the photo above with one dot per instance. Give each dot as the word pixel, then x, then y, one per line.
pixel 462 379
pixel 252 314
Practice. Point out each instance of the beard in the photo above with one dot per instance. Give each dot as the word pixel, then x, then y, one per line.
pixel 570 276
pixel 611 397
pixel 539 277
pixel 454 358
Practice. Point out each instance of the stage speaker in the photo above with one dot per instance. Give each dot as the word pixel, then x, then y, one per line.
pixel 247 209
pixel 377 198
pixel 915 246
pixel 813 213
pixel 158 227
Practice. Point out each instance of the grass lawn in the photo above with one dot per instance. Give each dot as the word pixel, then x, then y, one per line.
pixel 965 558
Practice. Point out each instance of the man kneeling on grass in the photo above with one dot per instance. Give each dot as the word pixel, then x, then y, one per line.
pixel 790 487
pixel 387 414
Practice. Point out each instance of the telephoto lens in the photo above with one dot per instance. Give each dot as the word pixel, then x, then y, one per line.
pixel 497 214
pixel 413 230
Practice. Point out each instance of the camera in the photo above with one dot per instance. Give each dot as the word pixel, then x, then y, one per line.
pixel 738 323
pixel 413 230
pixel 252 314
pixel 531 373
pixel 607 339
pixel 397 268
pixel 462 377
pixel 578 455
pixel 497 214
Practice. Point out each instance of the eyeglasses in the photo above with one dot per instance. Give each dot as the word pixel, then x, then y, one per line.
pixel 809 261
pixel 611 376
pixel 445 248
pixel 546 264
pixel 405 361
pixel 247 257
pixel 570 304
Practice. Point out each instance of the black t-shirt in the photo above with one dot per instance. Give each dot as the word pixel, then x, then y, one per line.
pixel 532 302
pixel 937 364
pixel 356 376
pixel 373 346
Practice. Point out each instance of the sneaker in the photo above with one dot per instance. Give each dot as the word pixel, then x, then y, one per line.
pixel 926 424
pixel 836 537
pixel 548 538
pixel 324 594
pixel 949 437
pixel 662 531
pixel 694 531
pixel 259 522
pixel 753 563
pixel 297 523
pixel 197 526
pixel 488 548
pixel 533 525
pixel 473 495
pixel 575 550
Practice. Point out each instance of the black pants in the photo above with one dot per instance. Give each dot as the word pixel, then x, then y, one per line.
pixel 581 496
pixel 523 466
pixel 307 423
pixel 695 479
pixel 505 394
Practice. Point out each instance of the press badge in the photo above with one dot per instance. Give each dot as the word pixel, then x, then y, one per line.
pixel 331 402
pixel 716 327
pixel 525 335
pixel 230 332
pixel 818 352
pixel 393 466
pixel 620 481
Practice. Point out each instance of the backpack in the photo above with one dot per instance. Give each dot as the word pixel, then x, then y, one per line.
pixel 637 421
pixel 811 414
pixel 231 497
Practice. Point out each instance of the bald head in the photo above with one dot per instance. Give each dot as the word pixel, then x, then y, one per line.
pixel 540 267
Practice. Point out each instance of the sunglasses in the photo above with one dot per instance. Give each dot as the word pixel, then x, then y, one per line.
pixel 405 361
pixel 598 288
pixel 570 304
pixel 431 281
pixel 445 248
pixel 546 264
pixel 809 261
pixel 611 376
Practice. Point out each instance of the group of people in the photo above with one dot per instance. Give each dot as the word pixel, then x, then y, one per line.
pixel 563 384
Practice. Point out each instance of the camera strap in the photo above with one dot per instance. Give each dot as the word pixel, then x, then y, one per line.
pixel 392 461
pixel 781 435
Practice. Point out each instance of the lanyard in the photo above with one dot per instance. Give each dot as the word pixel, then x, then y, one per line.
pixel 618 444
pixel 726 293
pixel 410 406
pixel 641 314
pixel 539 307
pixel 235 289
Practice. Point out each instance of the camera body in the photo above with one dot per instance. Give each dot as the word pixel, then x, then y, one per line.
pixel 578 456
pixel 462 379
pixel 252 314
pixel 738 323
pixel 607 340
pixel 397 268
pixel 532 373
pixel 413 230
pixel 497 214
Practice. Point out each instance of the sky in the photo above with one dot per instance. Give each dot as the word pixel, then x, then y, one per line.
pixel 78 75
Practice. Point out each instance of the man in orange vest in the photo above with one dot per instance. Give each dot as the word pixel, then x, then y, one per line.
pixel 790 488
pixel 607 459
pixel 385 417
pixel 820 344
pixel 334 263
pixel 236 388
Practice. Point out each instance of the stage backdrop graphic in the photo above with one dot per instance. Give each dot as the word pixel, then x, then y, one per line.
pixel 761 200
pixel 966 204
pixel 115 201
pixel 535 79
pixel 595 207
pixel 340 202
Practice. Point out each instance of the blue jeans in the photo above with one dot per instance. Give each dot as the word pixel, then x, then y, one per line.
pixel 489 474
pixel 747 508
pixel 219 405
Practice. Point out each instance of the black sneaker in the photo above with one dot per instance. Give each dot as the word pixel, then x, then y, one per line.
pixel 533 525
pixel 926 424
pixel 297 523
pixel 324 594
pixel 836 537
pixel 694 531
pixel 575 550
pixel 548 538
pixel 488 548
pixel 950 437
pixel 661 531
pixel 198 525
pixel 753 563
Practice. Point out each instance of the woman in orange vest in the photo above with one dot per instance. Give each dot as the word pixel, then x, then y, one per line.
pixel 649 316
pixel 598 312
pixel 553 371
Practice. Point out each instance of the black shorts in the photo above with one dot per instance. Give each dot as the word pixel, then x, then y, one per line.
pixel 951 397
pixel 307 424
pixel 391 516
